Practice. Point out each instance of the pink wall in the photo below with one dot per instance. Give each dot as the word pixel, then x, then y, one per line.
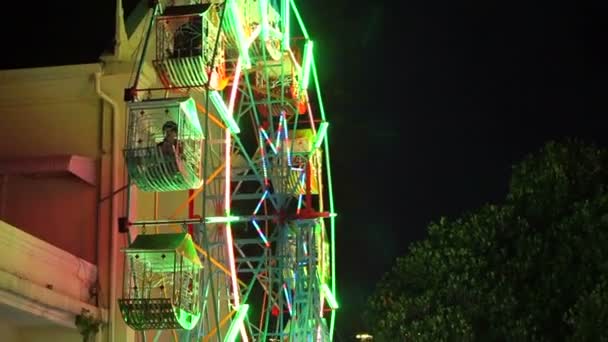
pixel 59 210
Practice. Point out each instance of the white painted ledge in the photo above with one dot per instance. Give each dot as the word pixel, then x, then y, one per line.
pixel 41 302
pixel 44 280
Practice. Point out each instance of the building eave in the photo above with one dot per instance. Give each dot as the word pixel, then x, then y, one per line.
pixel 83 168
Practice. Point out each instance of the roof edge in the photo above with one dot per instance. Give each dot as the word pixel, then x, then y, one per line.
pixel 83 168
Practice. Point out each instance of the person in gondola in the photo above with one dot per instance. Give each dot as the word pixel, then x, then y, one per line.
pixel 169 143
pixel 169 147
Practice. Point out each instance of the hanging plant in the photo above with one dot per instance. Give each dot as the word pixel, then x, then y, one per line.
pixel 87 325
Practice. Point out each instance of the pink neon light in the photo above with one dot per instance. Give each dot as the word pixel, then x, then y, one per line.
pixel 227 172
pixel 235 83
pixel 260 233
pixel 278 139
pixel 259 206
pixel 228 228
pixel 287 146
pixel 268 140
pixel 227 190
pixel 310 117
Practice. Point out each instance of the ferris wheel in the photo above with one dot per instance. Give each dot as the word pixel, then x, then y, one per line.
pixel 236 119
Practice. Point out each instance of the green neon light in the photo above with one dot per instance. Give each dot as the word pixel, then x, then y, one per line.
pixel 223 219
pixel 331 300
pixel 189 108
pixel 321 133
pixel 240 34
pixel 264 18
pixel 330 190
pixel 222 110
pixel 285 23
pixel 186 319
pixel 236 323
pixel 297 13
pixel 307 61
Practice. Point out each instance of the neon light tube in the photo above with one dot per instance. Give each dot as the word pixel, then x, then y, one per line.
pixel 228 228
pixel 189 108
pixel 218 102
pixel 264 18
pixel 257 208
pixel 299 204
pixel 279 131
pixel 320 135
pixel 260 233
pixel 227 191
pixel 235 286
pixel 267 138
pixel 240 33
pixel 236 323
pixel 222 219
pixel 287 298
pixel 235 84
pixel 263 155
pixel 332 222
pixel 306 65
pixel 286 133
pixel 285 23
pixel 331 300
pixel 311 119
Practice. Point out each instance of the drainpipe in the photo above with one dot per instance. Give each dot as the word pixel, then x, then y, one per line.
pixel 114 216
pixel 3 193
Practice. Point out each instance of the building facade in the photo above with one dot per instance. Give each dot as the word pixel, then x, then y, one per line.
pixel 62 190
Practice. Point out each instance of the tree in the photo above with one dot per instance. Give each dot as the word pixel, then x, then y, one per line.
pixel 533 268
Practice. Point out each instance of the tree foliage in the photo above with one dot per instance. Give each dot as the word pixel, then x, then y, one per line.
pixel 533 268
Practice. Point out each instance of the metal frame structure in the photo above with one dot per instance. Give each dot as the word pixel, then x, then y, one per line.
pixel 266 228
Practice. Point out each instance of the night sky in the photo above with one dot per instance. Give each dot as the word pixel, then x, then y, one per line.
pixel 430 104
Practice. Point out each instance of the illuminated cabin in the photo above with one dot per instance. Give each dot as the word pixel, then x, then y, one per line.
pixel 154 165
pixel 161 283
pixel 301 155
pixel 186 39
pixel 291 176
